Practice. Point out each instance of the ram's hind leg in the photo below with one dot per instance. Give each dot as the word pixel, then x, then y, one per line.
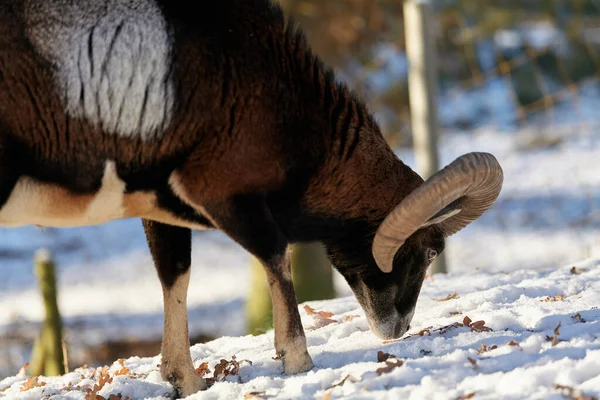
pixel 171 250
pixel 248 221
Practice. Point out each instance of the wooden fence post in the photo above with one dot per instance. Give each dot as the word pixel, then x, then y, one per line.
pixel 47 354
pixel 419 29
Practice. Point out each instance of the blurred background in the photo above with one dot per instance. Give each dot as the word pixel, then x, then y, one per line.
pixel 519 79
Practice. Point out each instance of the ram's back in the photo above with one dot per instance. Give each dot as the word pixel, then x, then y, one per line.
pixel 101 101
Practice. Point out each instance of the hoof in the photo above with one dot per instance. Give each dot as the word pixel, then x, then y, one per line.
pixel 185 384
pixel 296 363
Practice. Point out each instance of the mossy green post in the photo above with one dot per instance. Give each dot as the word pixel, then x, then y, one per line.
pixel 313 280
pixel 47 355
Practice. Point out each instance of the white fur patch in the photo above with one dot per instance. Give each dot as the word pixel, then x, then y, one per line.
pixel 35 203
pixel 112 58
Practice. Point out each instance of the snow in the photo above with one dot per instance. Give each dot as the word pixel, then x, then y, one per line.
pixel 435 366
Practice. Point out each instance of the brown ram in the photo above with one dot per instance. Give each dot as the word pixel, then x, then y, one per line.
pixel 219 118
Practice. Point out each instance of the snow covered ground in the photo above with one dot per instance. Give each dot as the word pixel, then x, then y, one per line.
pixel 529 334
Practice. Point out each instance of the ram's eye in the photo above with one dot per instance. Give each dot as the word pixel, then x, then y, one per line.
pixel 431 254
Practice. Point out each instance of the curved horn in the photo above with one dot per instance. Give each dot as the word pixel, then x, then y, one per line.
pixel 470 184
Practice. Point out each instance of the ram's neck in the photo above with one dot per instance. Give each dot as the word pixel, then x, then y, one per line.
pixel 348 172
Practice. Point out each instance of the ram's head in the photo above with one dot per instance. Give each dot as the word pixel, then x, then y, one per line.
pixel 412 235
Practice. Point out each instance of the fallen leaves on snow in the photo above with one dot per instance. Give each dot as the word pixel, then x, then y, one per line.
pixel 554 338
pixel 559 297
pixel 23 370
pixel 382 357
pixel 254 395
pixel 477 326
pixel 391 362
pixel 203 369
pixel 572 393
pixel 484 349
pixel 31 383
pixel 222 370
pixel 321 318
pixel 389 366
pixel 467 396
pixel 449 297
pixel 335 384
pixel 577 318
pixel 578 271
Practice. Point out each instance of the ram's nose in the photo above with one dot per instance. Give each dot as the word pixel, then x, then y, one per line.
pixel 392 327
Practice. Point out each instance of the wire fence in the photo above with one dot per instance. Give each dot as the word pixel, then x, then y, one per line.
pixel 544 68
pixel 526 87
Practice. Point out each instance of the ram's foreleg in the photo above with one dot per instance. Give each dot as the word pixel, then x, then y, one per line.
pixel 171 250
pixel 248 221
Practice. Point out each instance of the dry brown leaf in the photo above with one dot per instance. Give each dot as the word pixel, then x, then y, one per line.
pixel 554 338
pixel 479 326
pixel 31 383
pixel 91 395
pixel 572 393
pixel 343 380
pixel 5 389
pixel 381 356
pixel 321 318
pixel 485 348
pixel 390 365
pixel 467 396
pixel 559 297
pixel 118 397
pixel 121 361
pixel 577 271
pixel 227 368
pixel 577 318
pixel 513 343
pixel 23 370
pixel 425 331
pixel 348 318
pixel 254 395
pixel 340 382
pixel 446 328
pixel 449 297
pixel 103 380
pixel 453 313
pixel 472 361
pixel 467 321
pixel 203 369
pixel 311 311
pixel 122 371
